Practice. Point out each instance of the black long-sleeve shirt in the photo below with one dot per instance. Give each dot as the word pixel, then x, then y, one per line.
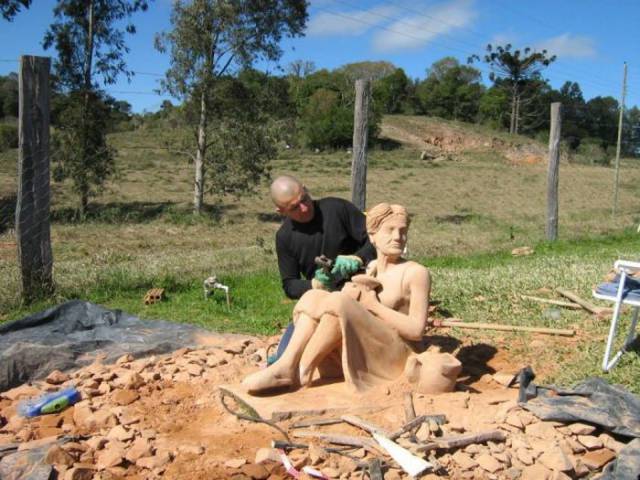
pixel 337 228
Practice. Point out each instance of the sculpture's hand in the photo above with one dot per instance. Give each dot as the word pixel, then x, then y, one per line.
pixel 352 290
pixel 346 265
pixel 369 300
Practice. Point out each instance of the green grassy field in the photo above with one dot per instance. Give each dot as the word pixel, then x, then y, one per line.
pixel 468 213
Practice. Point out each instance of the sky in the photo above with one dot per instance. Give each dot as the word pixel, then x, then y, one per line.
pixel 591 38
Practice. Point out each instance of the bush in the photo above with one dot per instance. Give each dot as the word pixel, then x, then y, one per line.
pixel 8 137
pixel 591 151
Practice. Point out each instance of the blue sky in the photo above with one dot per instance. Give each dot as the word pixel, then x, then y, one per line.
pixel 592 39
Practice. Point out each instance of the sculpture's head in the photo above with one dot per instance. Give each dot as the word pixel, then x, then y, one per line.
pixel 292 199
pixel 387 226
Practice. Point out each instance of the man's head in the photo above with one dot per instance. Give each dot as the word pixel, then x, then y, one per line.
pixel 292 199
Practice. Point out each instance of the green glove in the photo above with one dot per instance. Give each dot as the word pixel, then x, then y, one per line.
pixel 346 265
pixel 322 280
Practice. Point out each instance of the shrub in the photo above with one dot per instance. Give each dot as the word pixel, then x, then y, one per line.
pixel 592 152
pixel 8 137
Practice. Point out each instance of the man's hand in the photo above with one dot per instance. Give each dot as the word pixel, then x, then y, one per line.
pixel 346 265
pixel 321 280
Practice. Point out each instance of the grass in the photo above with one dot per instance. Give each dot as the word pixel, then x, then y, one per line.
pixel 467 215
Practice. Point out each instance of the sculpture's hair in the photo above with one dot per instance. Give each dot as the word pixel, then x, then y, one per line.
pixel 377 215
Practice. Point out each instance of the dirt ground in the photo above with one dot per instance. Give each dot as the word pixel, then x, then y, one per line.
pixel 163 417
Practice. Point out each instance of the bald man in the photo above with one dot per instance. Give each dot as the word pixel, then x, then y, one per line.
pixel 330 226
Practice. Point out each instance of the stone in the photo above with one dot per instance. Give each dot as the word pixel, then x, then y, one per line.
pixel 536 472
pixel 111 456
pixel 56 455
pixel 590 442
pixel 255 471
pixel 157 461
pixel 464 461
pixel 51 421
pixel 581 428
pixel 194 370
pixel 120 433
pixel 81 413
pixel 472 449
pixel 125 397
pixel 596 459
pixel 503 457
pixel 56 377
pixel 504 379
pixel 264 455
pixel 576 447
pixel 79 473
pixel 611 443
pixel 133 381
pixel 346 465
pixel 104 388
pixel 191 449
pixel 555 459
pixel 127 358
pixel 513 419
pixel 559 476
pixel 488 463
pixel 21 392
pixel 542 430
pixel 104 419
pixel 316 454
pixel 235 463
pixel 513 473
pixel 525 456
pixel 141 447
pixel 44 432
pixel 424 432
pixel 579 468
pixel 96 442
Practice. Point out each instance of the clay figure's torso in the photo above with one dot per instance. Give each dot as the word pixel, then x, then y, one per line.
pixel 394 292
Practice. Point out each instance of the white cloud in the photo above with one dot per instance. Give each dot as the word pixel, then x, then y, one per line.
pixel 353 22
pixel 416 31
pixel 568 45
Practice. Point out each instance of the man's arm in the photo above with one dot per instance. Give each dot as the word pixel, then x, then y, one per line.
pixel 357 229
pixel 293 286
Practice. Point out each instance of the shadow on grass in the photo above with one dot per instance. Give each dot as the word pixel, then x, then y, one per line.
pixel 7 212
pixel 140 212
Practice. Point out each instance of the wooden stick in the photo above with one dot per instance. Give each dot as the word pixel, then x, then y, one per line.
pixel 463 440
pixel 580 301
pixel 317 421
pixel 409 411
pixel 506 328
pixel 364 425
pixel 439 419
pixel 550 301
pixel 361 442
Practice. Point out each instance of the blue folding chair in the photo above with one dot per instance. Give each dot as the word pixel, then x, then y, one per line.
pixel 624 290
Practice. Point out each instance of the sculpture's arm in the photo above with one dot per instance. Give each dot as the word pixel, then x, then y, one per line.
pixel 410 326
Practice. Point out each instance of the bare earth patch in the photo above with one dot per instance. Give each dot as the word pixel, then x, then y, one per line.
pixel 163 417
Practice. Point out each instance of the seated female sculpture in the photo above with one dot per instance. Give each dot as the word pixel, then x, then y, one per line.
pixel 365 331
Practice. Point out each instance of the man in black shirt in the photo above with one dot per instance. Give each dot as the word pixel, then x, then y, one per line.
pixel 330 226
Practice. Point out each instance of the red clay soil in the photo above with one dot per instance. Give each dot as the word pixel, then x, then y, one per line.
pixel 162 417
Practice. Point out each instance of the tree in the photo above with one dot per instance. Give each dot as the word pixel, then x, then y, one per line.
pixel 209 38
pixel 451 90
pixel 392 92
pixel 9 95
pixel 10 8
pixel 520 72
pixel 602 119
pixel 89 38
pixel 368 70
pixel 631 132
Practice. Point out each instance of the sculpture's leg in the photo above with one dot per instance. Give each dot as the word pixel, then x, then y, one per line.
pixel 284 372
pixel 326 338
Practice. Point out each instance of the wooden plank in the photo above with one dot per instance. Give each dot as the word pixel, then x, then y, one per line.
pixel 364 425
pixel 550 301
pixel 584 303
pixel 464 440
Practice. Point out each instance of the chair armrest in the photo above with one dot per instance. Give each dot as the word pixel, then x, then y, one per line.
pixel 626 265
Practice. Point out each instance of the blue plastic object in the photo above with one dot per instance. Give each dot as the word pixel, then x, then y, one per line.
pixel 49 403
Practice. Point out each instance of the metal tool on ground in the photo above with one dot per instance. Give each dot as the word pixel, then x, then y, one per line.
pixel 211 284
pixel 154 295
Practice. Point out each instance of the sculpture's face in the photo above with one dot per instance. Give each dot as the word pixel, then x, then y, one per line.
pixel 391 237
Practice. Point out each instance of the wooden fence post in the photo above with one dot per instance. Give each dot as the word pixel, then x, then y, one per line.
pixel 32 209
pixel 360 133
pixel 553 171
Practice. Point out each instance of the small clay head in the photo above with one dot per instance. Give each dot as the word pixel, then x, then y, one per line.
pixel 387 226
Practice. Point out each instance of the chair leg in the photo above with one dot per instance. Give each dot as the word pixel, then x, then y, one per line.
pixel 606 363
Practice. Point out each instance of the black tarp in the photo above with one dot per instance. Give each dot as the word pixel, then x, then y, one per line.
pixel 70 335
